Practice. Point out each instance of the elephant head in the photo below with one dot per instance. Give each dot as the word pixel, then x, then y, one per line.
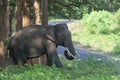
pixel 63 38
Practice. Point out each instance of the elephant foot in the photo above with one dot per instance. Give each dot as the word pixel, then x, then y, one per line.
pixel 59 65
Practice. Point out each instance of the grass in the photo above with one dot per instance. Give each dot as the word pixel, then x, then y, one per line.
pixel 89 69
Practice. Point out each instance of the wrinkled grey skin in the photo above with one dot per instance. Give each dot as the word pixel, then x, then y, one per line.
pixel 38 40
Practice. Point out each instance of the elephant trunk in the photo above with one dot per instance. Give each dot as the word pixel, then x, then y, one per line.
pixel 69 53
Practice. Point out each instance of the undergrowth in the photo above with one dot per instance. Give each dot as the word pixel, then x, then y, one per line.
pixel 98 31
pixel 88 69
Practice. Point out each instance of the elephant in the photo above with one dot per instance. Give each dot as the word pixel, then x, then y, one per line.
pixel 37 40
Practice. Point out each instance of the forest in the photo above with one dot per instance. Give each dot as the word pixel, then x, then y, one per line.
pixel 94 24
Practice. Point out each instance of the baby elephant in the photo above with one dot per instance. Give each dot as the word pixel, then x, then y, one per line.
pixel 38 40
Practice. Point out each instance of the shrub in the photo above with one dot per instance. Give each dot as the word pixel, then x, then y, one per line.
pixel 117 17
pixel 88 69
pixel 100 22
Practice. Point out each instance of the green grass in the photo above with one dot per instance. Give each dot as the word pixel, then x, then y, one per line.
pixel 89 69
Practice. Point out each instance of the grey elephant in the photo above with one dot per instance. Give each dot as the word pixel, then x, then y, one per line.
pixel 38 40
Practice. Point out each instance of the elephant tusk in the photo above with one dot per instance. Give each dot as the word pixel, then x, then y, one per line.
pixel 77 57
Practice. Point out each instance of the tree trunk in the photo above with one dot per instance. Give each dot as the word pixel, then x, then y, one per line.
pixel 36 12
pixel 8 20
pixel 3 31
pixel 26 14
pixel 2 60
pixel 18 17
pixel 45 12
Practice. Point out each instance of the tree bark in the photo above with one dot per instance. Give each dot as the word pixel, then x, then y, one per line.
pixel 45 12
pixel 3 31
pixel 36 12
pixel 2 60
pixel 18 17
pixel 26 14
pixel 8 29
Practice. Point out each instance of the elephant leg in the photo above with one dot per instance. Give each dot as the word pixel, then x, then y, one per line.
pixel 20 62
pixel 57 61
pixel 50 50
pixel 20 58
pixel 10 61
pixel 52 54
pixel 49 60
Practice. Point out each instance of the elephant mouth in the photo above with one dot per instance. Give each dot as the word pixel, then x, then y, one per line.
pixel 69 55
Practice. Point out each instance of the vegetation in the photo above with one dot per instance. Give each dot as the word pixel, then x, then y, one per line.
pixel 89 69
pixel 99 22
pixel 98 31
pixel 75 9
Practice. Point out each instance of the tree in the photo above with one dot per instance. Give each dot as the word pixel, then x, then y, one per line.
pixel 36 12
pixel 26 14
pixel 3 12
pixel 2 62
pixel 45 12
pixel 8 27
pixel 18 17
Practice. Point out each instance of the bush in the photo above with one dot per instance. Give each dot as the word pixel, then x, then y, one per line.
pixel 88 69
pixel 117 17
pixel 99 22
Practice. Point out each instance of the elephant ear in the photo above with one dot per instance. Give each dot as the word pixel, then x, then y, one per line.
pixel 50 34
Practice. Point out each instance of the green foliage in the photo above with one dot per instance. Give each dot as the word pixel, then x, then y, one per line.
pixel 88 69
pixel 6 41
pixel 75 9
pixel 100 22
pixel 117 17
pixel 12 8
pixel 100 43
pixel 116 49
